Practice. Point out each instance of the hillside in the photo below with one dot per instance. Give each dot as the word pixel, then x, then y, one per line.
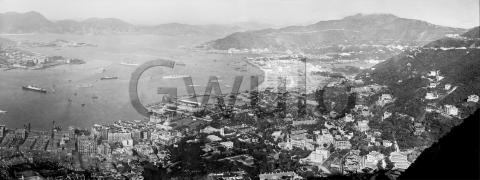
pixel 456 59
pixel 452 56
pixel 12 22
pixel 371 28
pixel 462 141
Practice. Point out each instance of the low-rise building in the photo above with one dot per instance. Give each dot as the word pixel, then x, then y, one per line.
pixel 450 110
pixel 372 159
pixel 227 144
pixel 387 143
pixel 399 160
pixel 473 98
pixel 348 118
pixel 363 125
pixel 385 99
pixel 386 115
pixel 280 176
pixel 342 144
pixel 431 95
pixel 316 157
pixel 304 122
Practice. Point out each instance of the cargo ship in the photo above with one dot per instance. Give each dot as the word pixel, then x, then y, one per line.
pixel 33 88
pixel 108 77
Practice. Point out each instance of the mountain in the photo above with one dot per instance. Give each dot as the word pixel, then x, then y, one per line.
pixel 95 26
pixel 34 22
pixel 360 28
pixel 178 29
pixel 12 22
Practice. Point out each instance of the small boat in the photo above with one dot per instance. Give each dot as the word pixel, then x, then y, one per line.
pixel 34 88
pixel 108 78
pixel 175 76
pixel 129 64
pixel 3 112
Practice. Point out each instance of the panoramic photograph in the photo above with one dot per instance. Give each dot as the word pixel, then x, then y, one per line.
pixel 239 89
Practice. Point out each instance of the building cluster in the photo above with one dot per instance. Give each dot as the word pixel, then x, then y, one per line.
pixel 13 57
pixel 437 89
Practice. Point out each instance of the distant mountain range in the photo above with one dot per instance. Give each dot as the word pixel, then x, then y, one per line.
pixel 360 28
pixel 34 22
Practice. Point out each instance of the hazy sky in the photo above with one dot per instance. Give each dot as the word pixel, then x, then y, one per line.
pixel 455 13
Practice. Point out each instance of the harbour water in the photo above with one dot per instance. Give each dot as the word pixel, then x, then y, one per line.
pixel 69 102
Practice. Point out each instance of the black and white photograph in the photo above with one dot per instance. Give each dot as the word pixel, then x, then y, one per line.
pixel 239 89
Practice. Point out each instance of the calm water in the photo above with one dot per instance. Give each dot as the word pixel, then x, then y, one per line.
pixel 107 100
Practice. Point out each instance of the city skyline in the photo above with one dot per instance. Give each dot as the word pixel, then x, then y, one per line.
pixel 462 14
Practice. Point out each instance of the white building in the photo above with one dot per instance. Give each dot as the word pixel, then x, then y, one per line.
pixel 316 157
pixel 227 144
pixel 386 115
pixel 372 159
pixel 399 160
pixel 385 99
pixel 431 95
pixel 433 73
pixel 325 140
pixel 451 110
pixel 448 86
pixel 387 143
pixel 343 145
pixel 363 125
pixel 213 138
pixel 473 98
pixel 349 118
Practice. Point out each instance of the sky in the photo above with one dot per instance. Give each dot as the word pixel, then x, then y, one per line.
pixel 454 13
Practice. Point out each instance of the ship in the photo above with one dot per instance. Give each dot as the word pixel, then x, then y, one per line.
pixel 129 64
pixel 175 76
pixel 34 88
pixel 108 77
pixel 3 112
